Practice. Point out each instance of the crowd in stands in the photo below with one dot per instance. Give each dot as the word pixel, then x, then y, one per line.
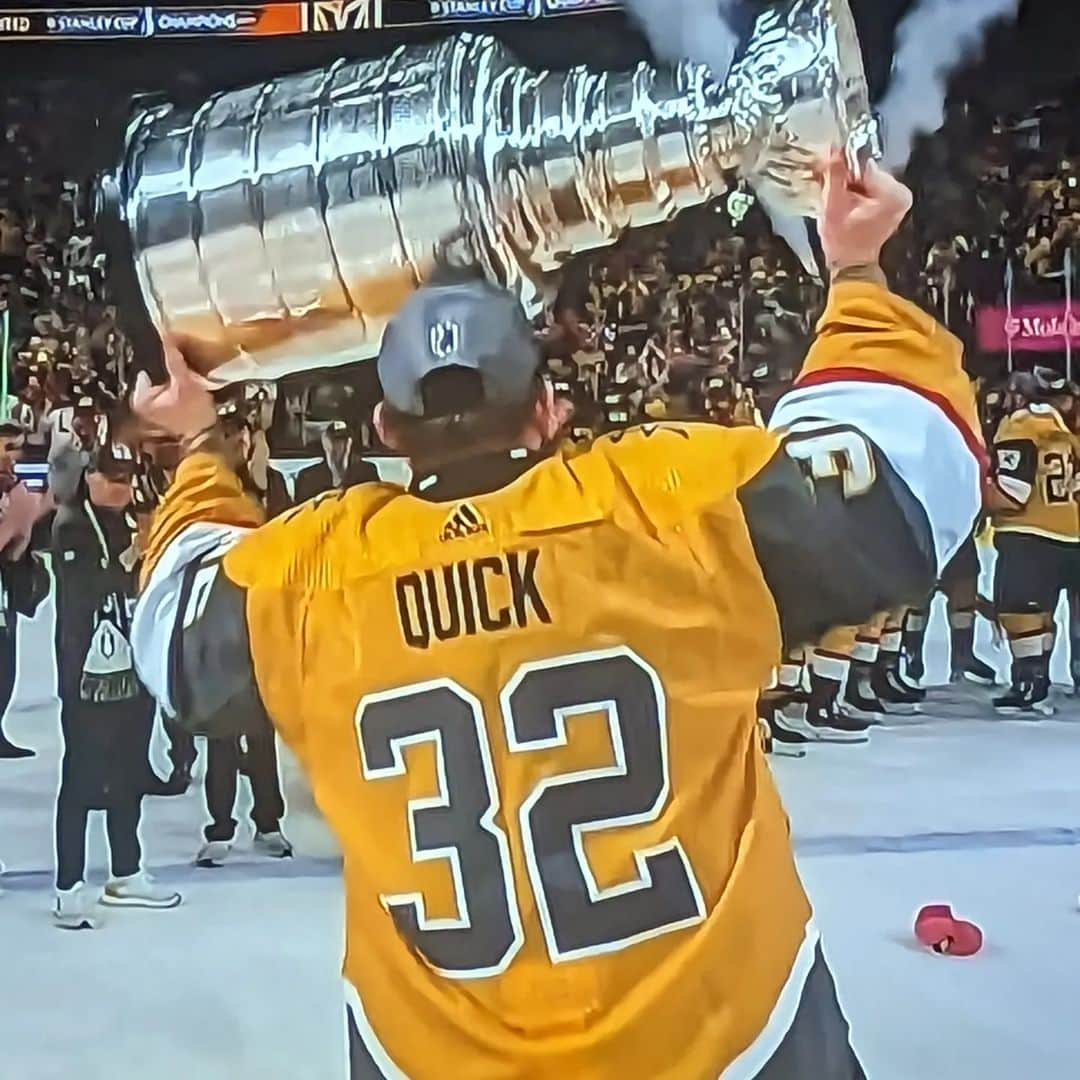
pixel 709 316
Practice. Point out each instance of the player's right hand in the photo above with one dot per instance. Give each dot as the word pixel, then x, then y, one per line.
pixel 859 215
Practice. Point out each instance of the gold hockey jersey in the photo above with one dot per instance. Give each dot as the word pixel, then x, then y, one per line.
pixel 524 694
pixel 1035 464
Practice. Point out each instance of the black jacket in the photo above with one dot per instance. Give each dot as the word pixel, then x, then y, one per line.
pixel 25 583
pixel 318 478
pixel 86 577
pixel 106 714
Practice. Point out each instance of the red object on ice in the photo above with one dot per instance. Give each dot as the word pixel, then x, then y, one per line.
pixel 939 929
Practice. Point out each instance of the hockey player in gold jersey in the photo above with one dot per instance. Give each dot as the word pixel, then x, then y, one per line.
pixel 1037 524
pixel 524 690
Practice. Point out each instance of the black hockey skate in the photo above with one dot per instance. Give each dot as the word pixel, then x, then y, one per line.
pixel 912 654
pixel 1030 691
pixel 832 726
pixel 780 714
pixel 913 641
pixel 916 669
pixel 796 714
pixel 859 702
pixel 965 664
pixel 974 670
pixel 898 697
pixel 1028 697
pixel 824 720
pixel 1041 701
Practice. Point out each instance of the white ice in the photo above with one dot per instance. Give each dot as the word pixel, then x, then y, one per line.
pixel 240 982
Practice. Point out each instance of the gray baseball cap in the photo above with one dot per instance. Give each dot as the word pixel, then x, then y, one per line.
pixel 470 324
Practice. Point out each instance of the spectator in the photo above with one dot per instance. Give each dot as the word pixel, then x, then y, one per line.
pixel 24 582
pixel 341 468
pixel 105 713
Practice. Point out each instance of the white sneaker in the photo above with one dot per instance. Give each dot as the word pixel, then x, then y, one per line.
pixel 273 844
pixel 77 907
pixel 213 853
pixel 139 890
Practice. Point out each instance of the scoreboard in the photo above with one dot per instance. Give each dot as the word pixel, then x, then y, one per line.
pixel 263 19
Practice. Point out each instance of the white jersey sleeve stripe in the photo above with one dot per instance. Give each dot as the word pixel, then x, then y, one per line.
pixel 927 450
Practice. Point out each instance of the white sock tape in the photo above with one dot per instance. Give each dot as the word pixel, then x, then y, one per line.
pixel 827 666
pixel 790 675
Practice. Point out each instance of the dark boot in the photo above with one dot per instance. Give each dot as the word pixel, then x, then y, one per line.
pixel 897 695
pixel 859 700
pixel 913 641
pixel 823 718
pixel 965 664
pixel 1030 689
pixel 784 711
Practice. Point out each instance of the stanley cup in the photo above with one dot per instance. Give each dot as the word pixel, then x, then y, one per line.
pixel 277 228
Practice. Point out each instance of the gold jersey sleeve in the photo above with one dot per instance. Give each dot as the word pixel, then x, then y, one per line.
pixel 1035 460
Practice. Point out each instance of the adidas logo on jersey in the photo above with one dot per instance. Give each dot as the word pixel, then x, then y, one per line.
pixel 465 520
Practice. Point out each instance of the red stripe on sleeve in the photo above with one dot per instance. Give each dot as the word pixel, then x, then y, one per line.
pixel 972 439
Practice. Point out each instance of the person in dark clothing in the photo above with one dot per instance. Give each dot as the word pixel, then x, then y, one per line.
pixel 105 713
pixel 340 468
pixel 255 755
pixel 24 581
pixel 226 758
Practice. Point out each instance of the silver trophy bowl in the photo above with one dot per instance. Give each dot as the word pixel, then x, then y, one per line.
pixel 275 229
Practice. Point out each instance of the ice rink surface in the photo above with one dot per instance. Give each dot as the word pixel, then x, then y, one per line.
pixel 240 982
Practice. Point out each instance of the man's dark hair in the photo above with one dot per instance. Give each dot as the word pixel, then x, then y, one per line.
pixel 450 437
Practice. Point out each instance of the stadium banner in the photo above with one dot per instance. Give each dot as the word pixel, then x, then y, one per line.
pixel 270 19
pixel 1028 328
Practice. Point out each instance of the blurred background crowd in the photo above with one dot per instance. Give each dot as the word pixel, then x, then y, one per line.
pixel 708 317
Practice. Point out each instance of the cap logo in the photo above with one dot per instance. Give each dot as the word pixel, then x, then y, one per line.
pixel 444 339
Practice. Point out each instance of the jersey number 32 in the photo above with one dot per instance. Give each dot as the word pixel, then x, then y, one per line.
pixel 459 823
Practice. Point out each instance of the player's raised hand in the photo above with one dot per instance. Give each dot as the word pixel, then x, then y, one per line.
pixel 181 408
pixel 859 215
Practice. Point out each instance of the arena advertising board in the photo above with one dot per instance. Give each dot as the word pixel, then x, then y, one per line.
pixel 1028 327
pixel 269 19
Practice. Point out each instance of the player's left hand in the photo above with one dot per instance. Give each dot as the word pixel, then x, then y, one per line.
pixel 181 408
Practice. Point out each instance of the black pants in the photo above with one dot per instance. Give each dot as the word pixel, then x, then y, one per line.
pixel 817 1044
pixel 121 823
pixel 1031 572
pixel 223 761
pixel 104 768
pixel 8 641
